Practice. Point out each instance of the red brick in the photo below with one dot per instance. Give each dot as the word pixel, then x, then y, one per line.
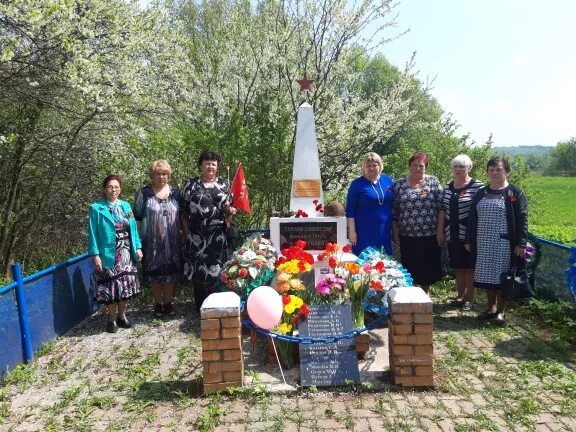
pixel 221 344
pixel 402 329
pixel 402 350
pixel 210 334
pixel 422 328
pixel 424 350
pixel 233 376
pixel 228 333
pixel 230 322
pixel 211 355
pixel 220 387
pixel 209 324
pixel 400 318
pixel 414 381
pixel 403 371
pixel 232 355
pixel 212 377
pixel 224 366
pixel 423 371
pixel 420 339
pixel 414 360
pixel 415 308
pixel 423 318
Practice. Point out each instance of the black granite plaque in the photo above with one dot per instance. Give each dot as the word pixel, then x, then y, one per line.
pixel 316 234
pixel 328 364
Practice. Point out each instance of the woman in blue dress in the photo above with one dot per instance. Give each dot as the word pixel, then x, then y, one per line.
pixel 369 207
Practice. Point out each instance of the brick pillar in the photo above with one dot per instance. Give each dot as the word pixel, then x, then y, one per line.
pixel 220 331
pixel 411 338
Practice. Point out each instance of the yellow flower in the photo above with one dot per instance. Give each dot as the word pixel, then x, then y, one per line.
pixel 296 301
pixel 284 328
pixel 289 308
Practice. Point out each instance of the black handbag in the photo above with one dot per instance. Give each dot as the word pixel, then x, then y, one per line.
pixel 517 285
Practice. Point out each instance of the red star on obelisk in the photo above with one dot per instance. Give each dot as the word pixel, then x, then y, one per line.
pixel 305 84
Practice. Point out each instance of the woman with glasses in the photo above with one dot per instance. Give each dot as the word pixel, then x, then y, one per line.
pixel 452 226
pixel 115 247
pixel 157 211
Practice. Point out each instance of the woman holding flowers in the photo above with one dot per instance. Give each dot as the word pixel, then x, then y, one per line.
pixel 497 234
pixel 369 207
pixel 206 226
pixel 416 206
pixel 452 225
pixel 157 212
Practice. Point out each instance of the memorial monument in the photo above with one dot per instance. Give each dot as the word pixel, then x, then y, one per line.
pixel 306 195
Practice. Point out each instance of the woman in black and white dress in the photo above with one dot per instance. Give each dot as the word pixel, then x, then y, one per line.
pixel 497 234
pixel 206 222
pixel 453 223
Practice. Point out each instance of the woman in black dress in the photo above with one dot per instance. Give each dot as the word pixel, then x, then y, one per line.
pixel 206 219
pixel 452 225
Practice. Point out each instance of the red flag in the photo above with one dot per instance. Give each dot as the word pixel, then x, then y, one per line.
pixel 239 191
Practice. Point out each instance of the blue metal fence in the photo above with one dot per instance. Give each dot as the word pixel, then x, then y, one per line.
pixel 40 307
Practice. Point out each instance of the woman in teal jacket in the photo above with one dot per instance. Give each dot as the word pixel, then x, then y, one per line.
pixel 115 247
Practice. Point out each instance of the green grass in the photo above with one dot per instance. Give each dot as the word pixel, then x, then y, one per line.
pixel 552 207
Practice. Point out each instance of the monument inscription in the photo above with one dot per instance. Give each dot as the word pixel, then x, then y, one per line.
pixel 315 234
pixel 329 364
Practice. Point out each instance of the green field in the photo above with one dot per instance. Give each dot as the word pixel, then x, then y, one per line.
pixel 552 208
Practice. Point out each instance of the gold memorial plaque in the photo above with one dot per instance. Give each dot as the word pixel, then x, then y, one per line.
pixel 306 188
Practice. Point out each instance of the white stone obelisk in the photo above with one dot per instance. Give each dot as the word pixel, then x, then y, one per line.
pixel 306 180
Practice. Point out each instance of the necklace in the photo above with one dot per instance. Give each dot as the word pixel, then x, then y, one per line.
pixel 380 202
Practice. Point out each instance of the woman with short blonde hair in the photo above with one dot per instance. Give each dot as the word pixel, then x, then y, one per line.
pixel 157 211
pixel 369 207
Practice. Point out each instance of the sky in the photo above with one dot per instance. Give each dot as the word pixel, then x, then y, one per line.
pixel 506 67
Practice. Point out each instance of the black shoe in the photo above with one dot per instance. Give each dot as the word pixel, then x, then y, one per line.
pixel 499 320
pixel 158 310
pixel 169 309
pixel 485 316
pixel 124 323
pixel 111 327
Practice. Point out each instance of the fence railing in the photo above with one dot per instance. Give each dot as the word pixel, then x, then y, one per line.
pixel 37 308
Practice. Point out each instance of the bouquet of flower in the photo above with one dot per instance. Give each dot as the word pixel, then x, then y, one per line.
pixel 393 275
pixel 249 266
pixel 295 259
pixel 293 311
pixel 358 278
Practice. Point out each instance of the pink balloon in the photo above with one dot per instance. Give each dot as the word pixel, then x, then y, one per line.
pixel 265 307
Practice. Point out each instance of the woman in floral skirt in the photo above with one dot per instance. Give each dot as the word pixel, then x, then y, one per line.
pixel 115 247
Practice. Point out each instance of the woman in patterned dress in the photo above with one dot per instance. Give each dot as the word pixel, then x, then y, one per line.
pixel 497 234
pixel 369 207
pixel 115 247
pixel 417 200
pixel 206 220
pixel 157 211
pixel 452 225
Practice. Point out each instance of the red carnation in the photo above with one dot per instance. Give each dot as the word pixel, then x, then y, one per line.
pixel 320 257
pixel 380 267
pixel 332 262
pixel 304 310
pixel 346 248
pixel 301 244
pixel 285 299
